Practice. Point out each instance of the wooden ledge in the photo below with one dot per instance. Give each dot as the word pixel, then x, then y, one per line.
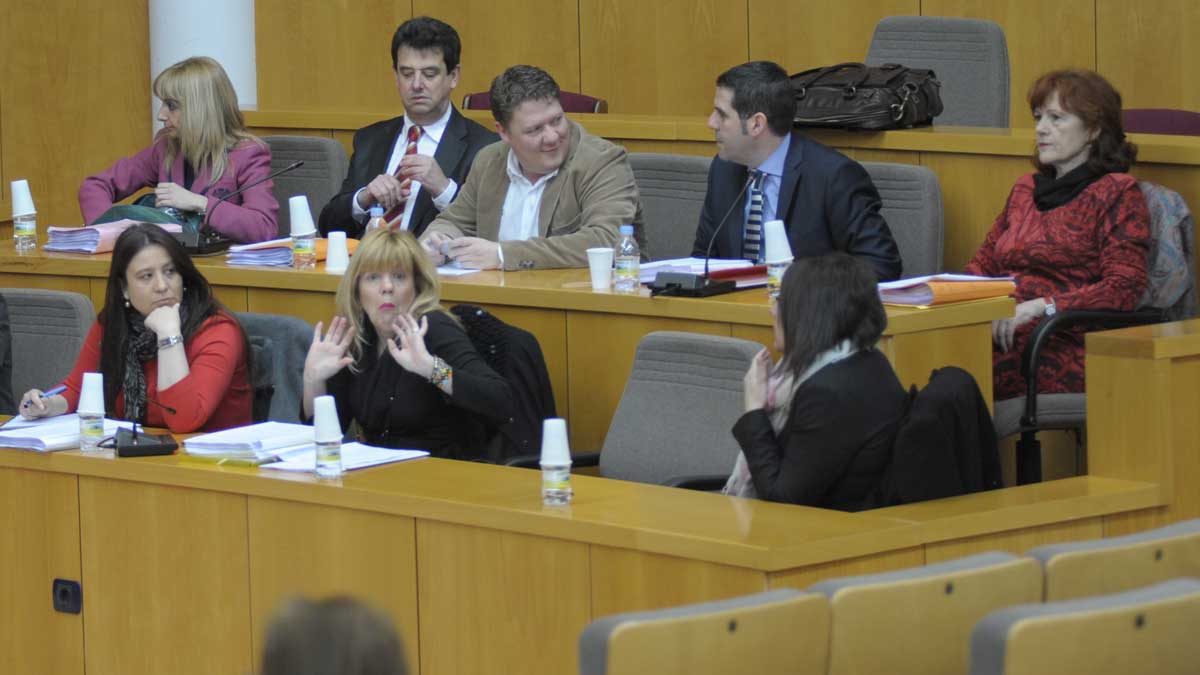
pixel 1158 341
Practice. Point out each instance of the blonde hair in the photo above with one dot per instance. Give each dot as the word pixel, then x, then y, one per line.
pixel 385 250
pixel 210 123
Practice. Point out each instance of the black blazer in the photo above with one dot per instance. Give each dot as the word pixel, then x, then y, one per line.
pixel 826 200
pixel 837 444
pixel 373 145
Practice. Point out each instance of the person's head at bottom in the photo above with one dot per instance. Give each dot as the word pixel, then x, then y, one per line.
pixel 823 302
pixel 334 636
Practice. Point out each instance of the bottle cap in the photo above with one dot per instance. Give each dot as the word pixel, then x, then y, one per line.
pixel 22 200
pixel 555 449
pixel 326 426
pixel 91 395
pixel 302 222
pixel 627 230
pixel 777 249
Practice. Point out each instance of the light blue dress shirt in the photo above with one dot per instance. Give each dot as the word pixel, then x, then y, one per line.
pixel 772 181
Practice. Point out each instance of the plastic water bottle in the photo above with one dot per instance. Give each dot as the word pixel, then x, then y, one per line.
pixel 556 463
pixel 91 412
pixel 628 263
pixel 329 458
pixel 327 435
pixel 91 431
pixel 304 251
pixel 24 217
pixel 375 221
pixel 775 272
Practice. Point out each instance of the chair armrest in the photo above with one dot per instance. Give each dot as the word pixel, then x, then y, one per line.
pixel 533 461
pixel 707 483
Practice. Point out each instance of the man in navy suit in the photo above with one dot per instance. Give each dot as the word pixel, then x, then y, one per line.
pixel 766 171
pixel 411 165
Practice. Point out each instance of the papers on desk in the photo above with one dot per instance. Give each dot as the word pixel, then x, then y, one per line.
pixel 939 289
pixel 688 266
pixel 46 434
pixel 256 440
pixel 453 270
pixel 354 456
pixel 274 253
pixel 93 238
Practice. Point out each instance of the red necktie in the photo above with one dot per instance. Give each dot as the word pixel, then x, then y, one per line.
pixel 414 133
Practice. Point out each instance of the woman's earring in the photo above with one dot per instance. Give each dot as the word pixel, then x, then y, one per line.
pixel 127 305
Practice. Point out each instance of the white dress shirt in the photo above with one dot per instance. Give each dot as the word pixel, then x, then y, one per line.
pixel 427 144
pixel 519 216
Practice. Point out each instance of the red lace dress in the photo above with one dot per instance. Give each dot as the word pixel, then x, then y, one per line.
pixel 1089 253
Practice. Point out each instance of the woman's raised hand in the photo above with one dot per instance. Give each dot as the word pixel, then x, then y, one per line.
pixel 754 384
pixel 407 346
pixel 328 353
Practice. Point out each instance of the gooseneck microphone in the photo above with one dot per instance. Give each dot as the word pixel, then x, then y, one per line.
pixel 129 443
pixel 207 241
pixel 696 285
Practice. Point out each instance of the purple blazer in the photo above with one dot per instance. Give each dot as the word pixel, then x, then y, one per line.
pixel 248 217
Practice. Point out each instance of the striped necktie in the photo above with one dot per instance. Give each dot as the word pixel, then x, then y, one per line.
pixel 414 134
pixel 752 241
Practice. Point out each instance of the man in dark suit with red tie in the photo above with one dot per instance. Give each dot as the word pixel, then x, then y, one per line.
pixel 765 170
pixel 411 165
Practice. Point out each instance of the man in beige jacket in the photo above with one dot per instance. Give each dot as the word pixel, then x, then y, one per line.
pixel 544 195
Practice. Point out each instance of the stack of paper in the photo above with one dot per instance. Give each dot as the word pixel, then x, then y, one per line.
pixel 354 456
pixel 257 440
pixel 689 266
pixel 939 289
pixel 274 253
pixel 93 238
pixel 47 433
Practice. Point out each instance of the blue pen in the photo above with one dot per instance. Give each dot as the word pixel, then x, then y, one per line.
pixel 47 394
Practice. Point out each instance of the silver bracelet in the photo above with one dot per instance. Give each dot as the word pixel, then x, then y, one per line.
pixel 170 341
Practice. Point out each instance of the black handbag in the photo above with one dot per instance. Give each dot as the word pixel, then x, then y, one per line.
pixel 858 96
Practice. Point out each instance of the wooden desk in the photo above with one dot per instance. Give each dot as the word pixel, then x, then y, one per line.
pixel 589 338
pixel 182 564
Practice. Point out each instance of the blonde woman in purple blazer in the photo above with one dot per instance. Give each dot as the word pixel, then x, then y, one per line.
pixel 203 153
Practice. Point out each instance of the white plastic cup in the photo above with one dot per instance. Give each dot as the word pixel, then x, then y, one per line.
pixel 326 426
pixel 775 238
pixel 91 395
pixel 556 450
pixel 338 257
pixel 22 199
pixel 600 262
pixel 302 221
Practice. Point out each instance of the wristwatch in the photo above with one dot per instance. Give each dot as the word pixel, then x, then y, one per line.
pixel 1051 309
pixel 170 341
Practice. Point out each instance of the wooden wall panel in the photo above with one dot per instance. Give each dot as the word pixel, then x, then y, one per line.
pixel 662 57
pixel 1041 36
pixel 1162 35
pixel 974 190
pixel 327 55
pixel 75 96
pixel 633 581
pixel 803 35
pixel 496 35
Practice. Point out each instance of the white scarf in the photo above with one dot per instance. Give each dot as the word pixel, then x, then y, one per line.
pixel 780 390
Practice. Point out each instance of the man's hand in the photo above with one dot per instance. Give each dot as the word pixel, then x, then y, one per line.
pixel 385 190
pixel 437 245
pixel 426 171
pixel 475 253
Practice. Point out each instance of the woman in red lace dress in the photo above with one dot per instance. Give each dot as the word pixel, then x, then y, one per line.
pixel 1075 234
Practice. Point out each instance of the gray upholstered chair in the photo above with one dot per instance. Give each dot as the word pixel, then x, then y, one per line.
pixel 1150 630
pixel 679 405
pixel 912 207
pixel 280 344
pixel 917 621
pixel 48 329
pixel 319 179
pixel 969 56
pixel 781 631
pixel 672 189
pixel 1082 568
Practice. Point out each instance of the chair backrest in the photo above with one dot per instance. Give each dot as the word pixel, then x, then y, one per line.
pixel 262 378
pixel 1171 263
pixel 672 189
pixel 571 102
pixel 912 207
pixel 287 339
pixel 778 632
pixel 48 329
pixel 1150 630
pixel 680 402
pixel 919 620
pixel 969 57
pixel 319 179
pixel 1101 566
pixel 1161 121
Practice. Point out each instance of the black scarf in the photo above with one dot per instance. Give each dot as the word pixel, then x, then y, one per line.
pixel 1051 193
pixel 141 345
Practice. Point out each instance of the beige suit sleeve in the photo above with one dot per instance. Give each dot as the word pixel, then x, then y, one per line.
pixel 607 198
pixel 459 219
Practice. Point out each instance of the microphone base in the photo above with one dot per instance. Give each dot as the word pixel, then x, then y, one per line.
pixel 690 285
pixel 198 245
pixel 143 445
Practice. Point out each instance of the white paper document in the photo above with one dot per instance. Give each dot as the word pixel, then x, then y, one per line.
pixel 650 270
pixel 354 456
pixel 917 281
pixel 453 270
pixel 46 434
pixel 255 440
